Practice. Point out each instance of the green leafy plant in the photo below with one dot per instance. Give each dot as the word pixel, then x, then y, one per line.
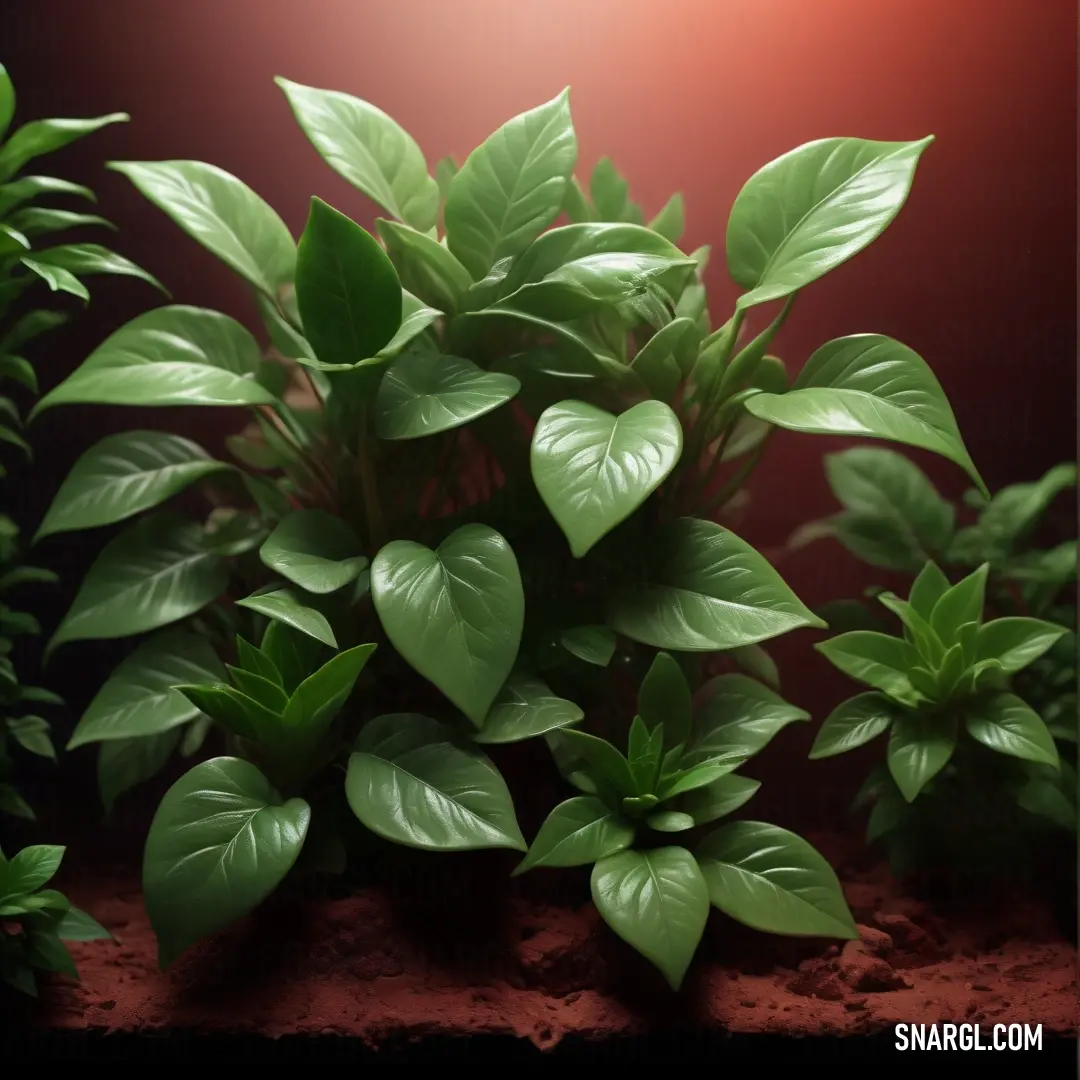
pixel 678 773
pixel 941 691
pixel 35 921
pixel 489 443
pixel 25 225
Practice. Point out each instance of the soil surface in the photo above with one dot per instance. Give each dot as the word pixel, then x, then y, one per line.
pixel 446 947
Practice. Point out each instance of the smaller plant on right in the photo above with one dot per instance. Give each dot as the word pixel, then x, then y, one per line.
pixel 959 737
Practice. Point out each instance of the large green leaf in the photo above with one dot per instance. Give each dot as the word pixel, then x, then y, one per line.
pixel 40 137
pixel 424 393
pixel 284 605
pixel 920 746
pixel 1016 642
pixel 869 385
pixel 1008 725
pixel 169 356
pixel 426 267
pixel 707 589
pixel 125 763
pixel 879 660
pixel 346 287
pixel 812 209
pixel 772 880
pixel 156 572
pixel 854 723
pixel 369 149
pixel 87 260
pixel 224 215
pixel 221 841
pixel 577 832
pixel 657 902
pixel 525 708
pixel 315 550
pixel 455 613
pixel 511 187
pixel 138 699
pixel 594 469
pixel 737 720
pixel 123 475
pixel 411 781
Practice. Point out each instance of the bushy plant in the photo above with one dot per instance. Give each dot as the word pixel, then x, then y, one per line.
pixel 491 445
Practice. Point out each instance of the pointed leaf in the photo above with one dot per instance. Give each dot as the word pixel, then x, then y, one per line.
pixel 238 713
pixel 757 663
pixel 671 221
pixel 657 902
pixel 25 188
pixel 86 260
pixel 416 317
pixel 525 708
pixel 426 267
pixel 707 589
pixel 223 214
pixel 919 748
pixel 772 880
pixel 1016 642
pixel 266 692
pixel 256 661
pixel 285 606
pixel 664 698
pixel 412 782
pixel 40 137
pixel 7 99
pixel 125 763
pixel 221 841
pixel 315 550
pixel 455 614
pixel 593 644
pixel 577 832
pixel 854 723
pixel 719 798
pixel 32 734
pixel 1008 725
pixel 56 277
pixel 294 654
pixel 961 604
pixel 879 660
pixel 29 869
pixel 928 588
pixel 321 696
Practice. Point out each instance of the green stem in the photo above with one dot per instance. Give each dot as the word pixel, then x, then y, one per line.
pixel 737 479
pixel 369 491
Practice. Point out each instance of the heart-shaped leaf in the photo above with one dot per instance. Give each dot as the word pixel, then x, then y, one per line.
pixel 511 187
pixel 223 214
pixel 812 209
pixel 525 708
pixel 368 148
pixel 772 880
pixel 707 589
pixel 577 832
pixel 1010 726
pixel 424 393
pixel 139 700
pixel 169 356
pixel 315 550
pixel 285 606
pixel 156 572
pixel 412 782
pixel 123 475
pixel 854 723
pixel 657 902
pixel 594 469
pixel 873 386
pixel 221 841
pixel 347 289
pixel 455 613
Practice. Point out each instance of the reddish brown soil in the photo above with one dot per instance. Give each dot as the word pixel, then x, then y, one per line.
pixel 389 962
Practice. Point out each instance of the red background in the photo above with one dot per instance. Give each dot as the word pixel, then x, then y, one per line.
pixel 977 273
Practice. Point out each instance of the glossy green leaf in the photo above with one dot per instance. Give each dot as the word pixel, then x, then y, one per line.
pixel 294 654
pixel 285 606
pixel 707 589
pixel 738 719
pixel 322 695
pixel 873 386
pixel 265 691
pixel 670 222
pixel 525 708
pixel 156 572
pixel 238 713
pixel 1015 510
pixel 346 287
pixel 87 260
pixel 19 191
pixel 812 209
pixel 416 317
pixel 664 360
pixel 657 901
pixel 758 664
pixel 772 880
pixel 169 356
pixel 32 734
pixel 425 393
pixel 929 587
pixel 7 99
pixel 643 754
pixel 611 193
pixel 594 469
pixel 719 798
pixel 604 762
pixel 664 698
pixel 577 832
pixel 920 746
pixel 223 214
pixel 878 660
pixel 1016 642
pixel 455 614
pixel 670 821
pixel 29 869
pixel 369 149
pixel 34 221
pixel 1008 725
pixel 221 841
pixel 854 723
pixel 426 267
pixel 56 277
pixel 412 782
pixel 315 550
pixel 125 763
pixel 123 475
pixel 917 629
pixel 40 137
pixel 511 188
pixel 593 644
pixel 253 659
pixel 961 604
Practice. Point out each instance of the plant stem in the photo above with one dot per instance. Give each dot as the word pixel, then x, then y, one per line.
pixel 737 479
pixel 369 490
